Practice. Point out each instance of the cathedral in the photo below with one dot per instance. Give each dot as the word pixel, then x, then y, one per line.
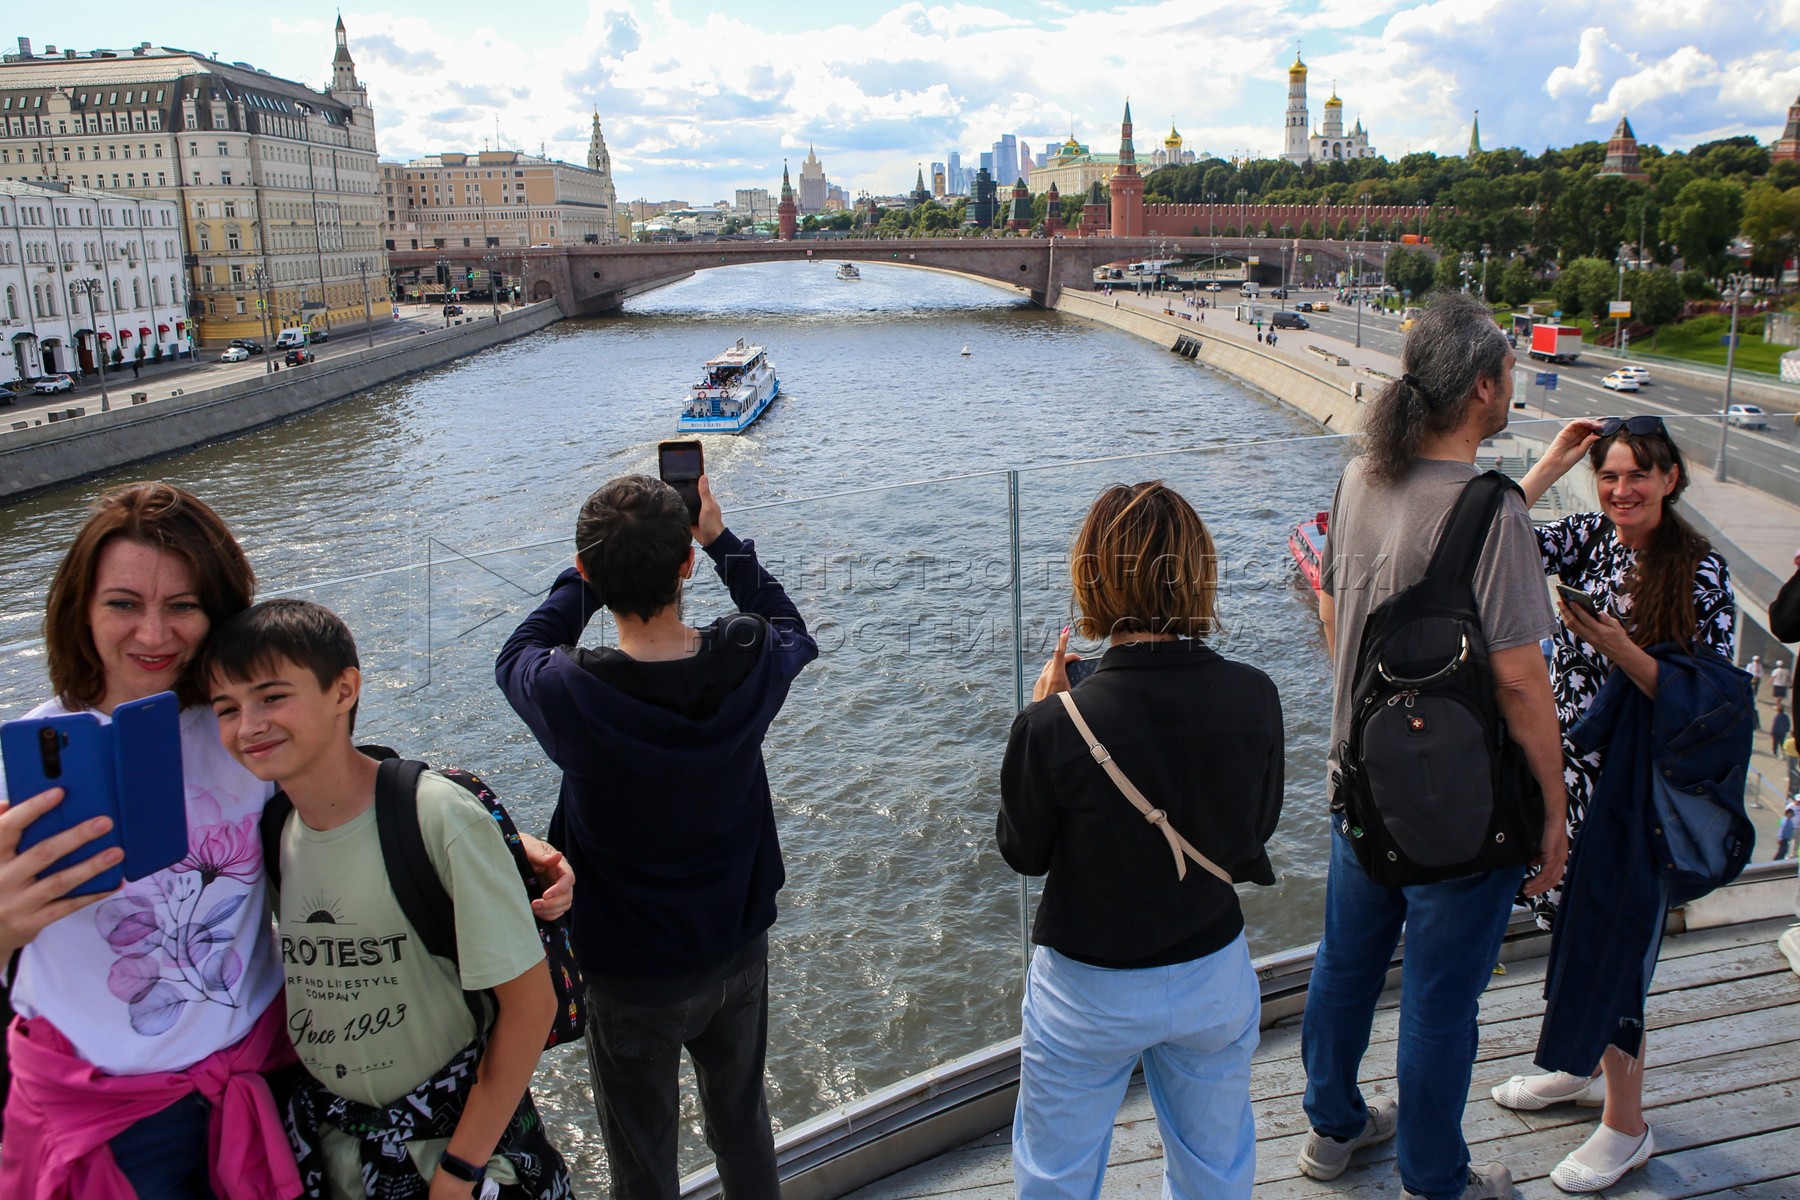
pixel 1302 144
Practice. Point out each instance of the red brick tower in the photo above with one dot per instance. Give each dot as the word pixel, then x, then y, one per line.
pixel 1053 218
pixel 1787 149
pixel 1094 212
pixel 1018 212
pixel 1622 153
pixel 787 214
pixel 1127 186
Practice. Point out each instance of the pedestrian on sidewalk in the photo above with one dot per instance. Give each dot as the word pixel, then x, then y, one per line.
pixel 1784 833
pixel 1755 669
pixel 1778 730
pixel 1779 680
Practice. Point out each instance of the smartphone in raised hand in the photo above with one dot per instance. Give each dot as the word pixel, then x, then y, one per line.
pixel 1580 599
pixel 680 465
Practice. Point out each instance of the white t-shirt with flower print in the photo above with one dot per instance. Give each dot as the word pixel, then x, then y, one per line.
pixel 180 964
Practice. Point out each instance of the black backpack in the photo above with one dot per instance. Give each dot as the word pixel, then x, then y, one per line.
pixel 421 893
pixel 1429 786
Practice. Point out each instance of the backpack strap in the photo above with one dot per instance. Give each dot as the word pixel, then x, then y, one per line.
pixel 410 871
pixel 1458 550
pixel 1156 816
pixel 270 824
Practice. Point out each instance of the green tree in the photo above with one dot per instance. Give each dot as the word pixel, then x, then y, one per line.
pixel 1517 283
pixel 1584 286
pixel 1447 277
pixel 1306 230
pixel 1344 232
pixel 1696 286
pixel 1410 270
pixel 1703 220
pixel 1772 224
pixel 1655 294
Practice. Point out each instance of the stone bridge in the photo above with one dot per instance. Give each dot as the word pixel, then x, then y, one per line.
pixel 593 279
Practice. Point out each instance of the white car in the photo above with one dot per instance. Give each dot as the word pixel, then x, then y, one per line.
pixel 49 385
pixel 1641 374
pixel 234 354
pixel 1747 416
pixel 1620 381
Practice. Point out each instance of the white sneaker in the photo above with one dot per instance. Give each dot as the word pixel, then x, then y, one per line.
pixel 1572 1175
pixel 1325 1157
pixel 1529 1093
pixel 1487 1181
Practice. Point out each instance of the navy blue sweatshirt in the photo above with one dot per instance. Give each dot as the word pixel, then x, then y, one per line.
pixel 665 812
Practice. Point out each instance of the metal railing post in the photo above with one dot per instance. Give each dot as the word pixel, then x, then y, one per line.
pixel 1018 630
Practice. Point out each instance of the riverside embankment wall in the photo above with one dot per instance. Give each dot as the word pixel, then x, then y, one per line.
pixel 61 452
pixel 1324 392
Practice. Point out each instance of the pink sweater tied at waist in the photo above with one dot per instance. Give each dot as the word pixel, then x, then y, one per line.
pixel 63 1111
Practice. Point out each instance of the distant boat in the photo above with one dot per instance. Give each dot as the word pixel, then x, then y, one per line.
pixel 965 350
pixel 1307 545
pixel 848 271
pixel 738 386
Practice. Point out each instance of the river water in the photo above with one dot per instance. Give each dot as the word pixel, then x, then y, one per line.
pixel 432 513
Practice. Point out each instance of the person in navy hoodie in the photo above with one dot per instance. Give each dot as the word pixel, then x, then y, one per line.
pixel 666 817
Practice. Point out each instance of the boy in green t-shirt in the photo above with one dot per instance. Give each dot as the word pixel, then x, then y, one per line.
pixel 393 1051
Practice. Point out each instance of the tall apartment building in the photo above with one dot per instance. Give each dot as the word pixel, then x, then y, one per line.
pixel 276 182
pixel 812 184
pixel 85 274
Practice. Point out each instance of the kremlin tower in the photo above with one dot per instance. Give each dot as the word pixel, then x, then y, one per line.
pixel 1053 218
pixel 1787 149
pixel 1127 186
pixel 786 214
pixel 1622 153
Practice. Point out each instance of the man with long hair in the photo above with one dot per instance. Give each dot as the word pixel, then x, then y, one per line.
pixel 1420 436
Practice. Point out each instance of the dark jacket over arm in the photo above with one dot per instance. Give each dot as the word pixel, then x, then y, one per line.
pixel 1201 737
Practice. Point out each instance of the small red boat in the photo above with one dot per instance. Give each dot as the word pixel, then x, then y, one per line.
pixel 1307 545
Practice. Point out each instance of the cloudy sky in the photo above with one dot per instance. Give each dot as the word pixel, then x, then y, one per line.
pixel 699 98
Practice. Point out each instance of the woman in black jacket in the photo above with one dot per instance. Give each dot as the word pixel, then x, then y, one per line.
pixel 1141 941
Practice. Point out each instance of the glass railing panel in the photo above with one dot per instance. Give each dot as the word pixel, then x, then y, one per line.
pixel 898 945
pixel 1250 496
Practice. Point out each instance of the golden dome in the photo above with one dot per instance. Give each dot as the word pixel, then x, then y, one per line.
pixel 1173 141
pixel 1299 68
pixel 1334 102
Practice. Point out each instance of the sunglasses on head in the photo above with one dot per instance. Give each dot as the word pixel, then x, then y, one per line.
pixel 1636 426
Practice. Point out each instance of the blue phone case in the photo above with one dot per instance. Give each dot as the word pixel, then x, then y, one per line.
pixel 83 769
pixel 152 790
pixel 129 770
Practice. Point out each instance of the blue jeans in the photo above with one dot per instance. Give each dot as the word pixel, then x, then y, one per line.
pixel 1453 935
pixel 1195 1026
pixel 163 1156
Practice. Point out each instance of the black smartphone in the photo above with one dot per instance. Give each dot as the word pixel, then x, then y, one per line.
pixel 1580 599
pixel 1080 669
pixel 680 464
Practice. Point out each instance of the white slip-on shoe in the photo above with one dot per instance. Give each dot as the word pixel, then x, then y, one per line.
pixel 1529 1093
pixel 1573 1175
pixel 1325 1158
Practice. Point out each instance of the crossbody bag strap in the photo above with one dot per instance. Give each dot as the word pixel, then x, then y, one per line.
pixel 1178 845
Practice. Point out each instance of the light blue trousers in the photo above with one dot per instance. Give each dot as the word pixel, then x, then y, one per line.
pixel 1195 1027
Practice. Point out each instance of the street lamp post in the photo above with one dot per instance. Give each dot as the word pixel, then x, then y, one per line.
pixel 260 278
pixel 362 269
pixel 1485 251
pixel 1421 207
pixel 1618 319
pixel 1356 277
pixel 93 289
pixel 1736 284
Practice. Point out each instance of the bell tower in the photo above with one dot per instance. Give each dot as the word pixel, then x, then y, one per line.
pixel 1295 129
pixel 1127 186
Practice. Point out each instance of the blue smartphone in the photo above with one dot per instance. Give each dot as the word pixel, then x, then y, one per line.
pixel 129 770
pixel 152 813
pixel 74 753
pixel 1080 669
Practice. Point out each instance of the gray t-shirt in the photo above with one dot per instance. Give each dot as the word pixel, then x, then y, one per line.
pixel 1380 541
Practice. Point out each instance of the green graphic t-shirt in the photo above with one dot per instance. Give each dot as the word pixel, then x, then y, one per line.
pixel 371 1014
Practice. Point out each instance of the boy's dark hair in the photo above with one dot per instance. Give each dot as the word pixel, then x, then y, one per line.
pixel 306 634
pixel 631 538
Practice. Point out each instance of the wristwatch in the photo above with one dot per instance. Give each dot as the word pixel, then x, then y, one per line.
pixel 459 1168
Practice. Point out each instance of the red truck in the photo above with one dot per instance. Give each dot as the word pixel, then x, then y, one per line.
pixel 1555 343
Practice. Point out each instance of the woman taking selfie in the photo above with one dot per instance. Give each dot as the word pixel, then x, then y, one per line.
pixel 147 1015
pixel 1141 948
pixel 1648 620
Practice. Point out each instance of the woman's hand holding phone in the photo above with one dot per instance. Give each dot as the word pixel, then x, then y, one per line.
pixel 1054 677
pixel 27 903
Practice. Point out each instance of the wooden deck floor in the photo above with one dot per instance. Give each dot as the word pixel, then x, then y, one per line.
pixel 1722 1093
